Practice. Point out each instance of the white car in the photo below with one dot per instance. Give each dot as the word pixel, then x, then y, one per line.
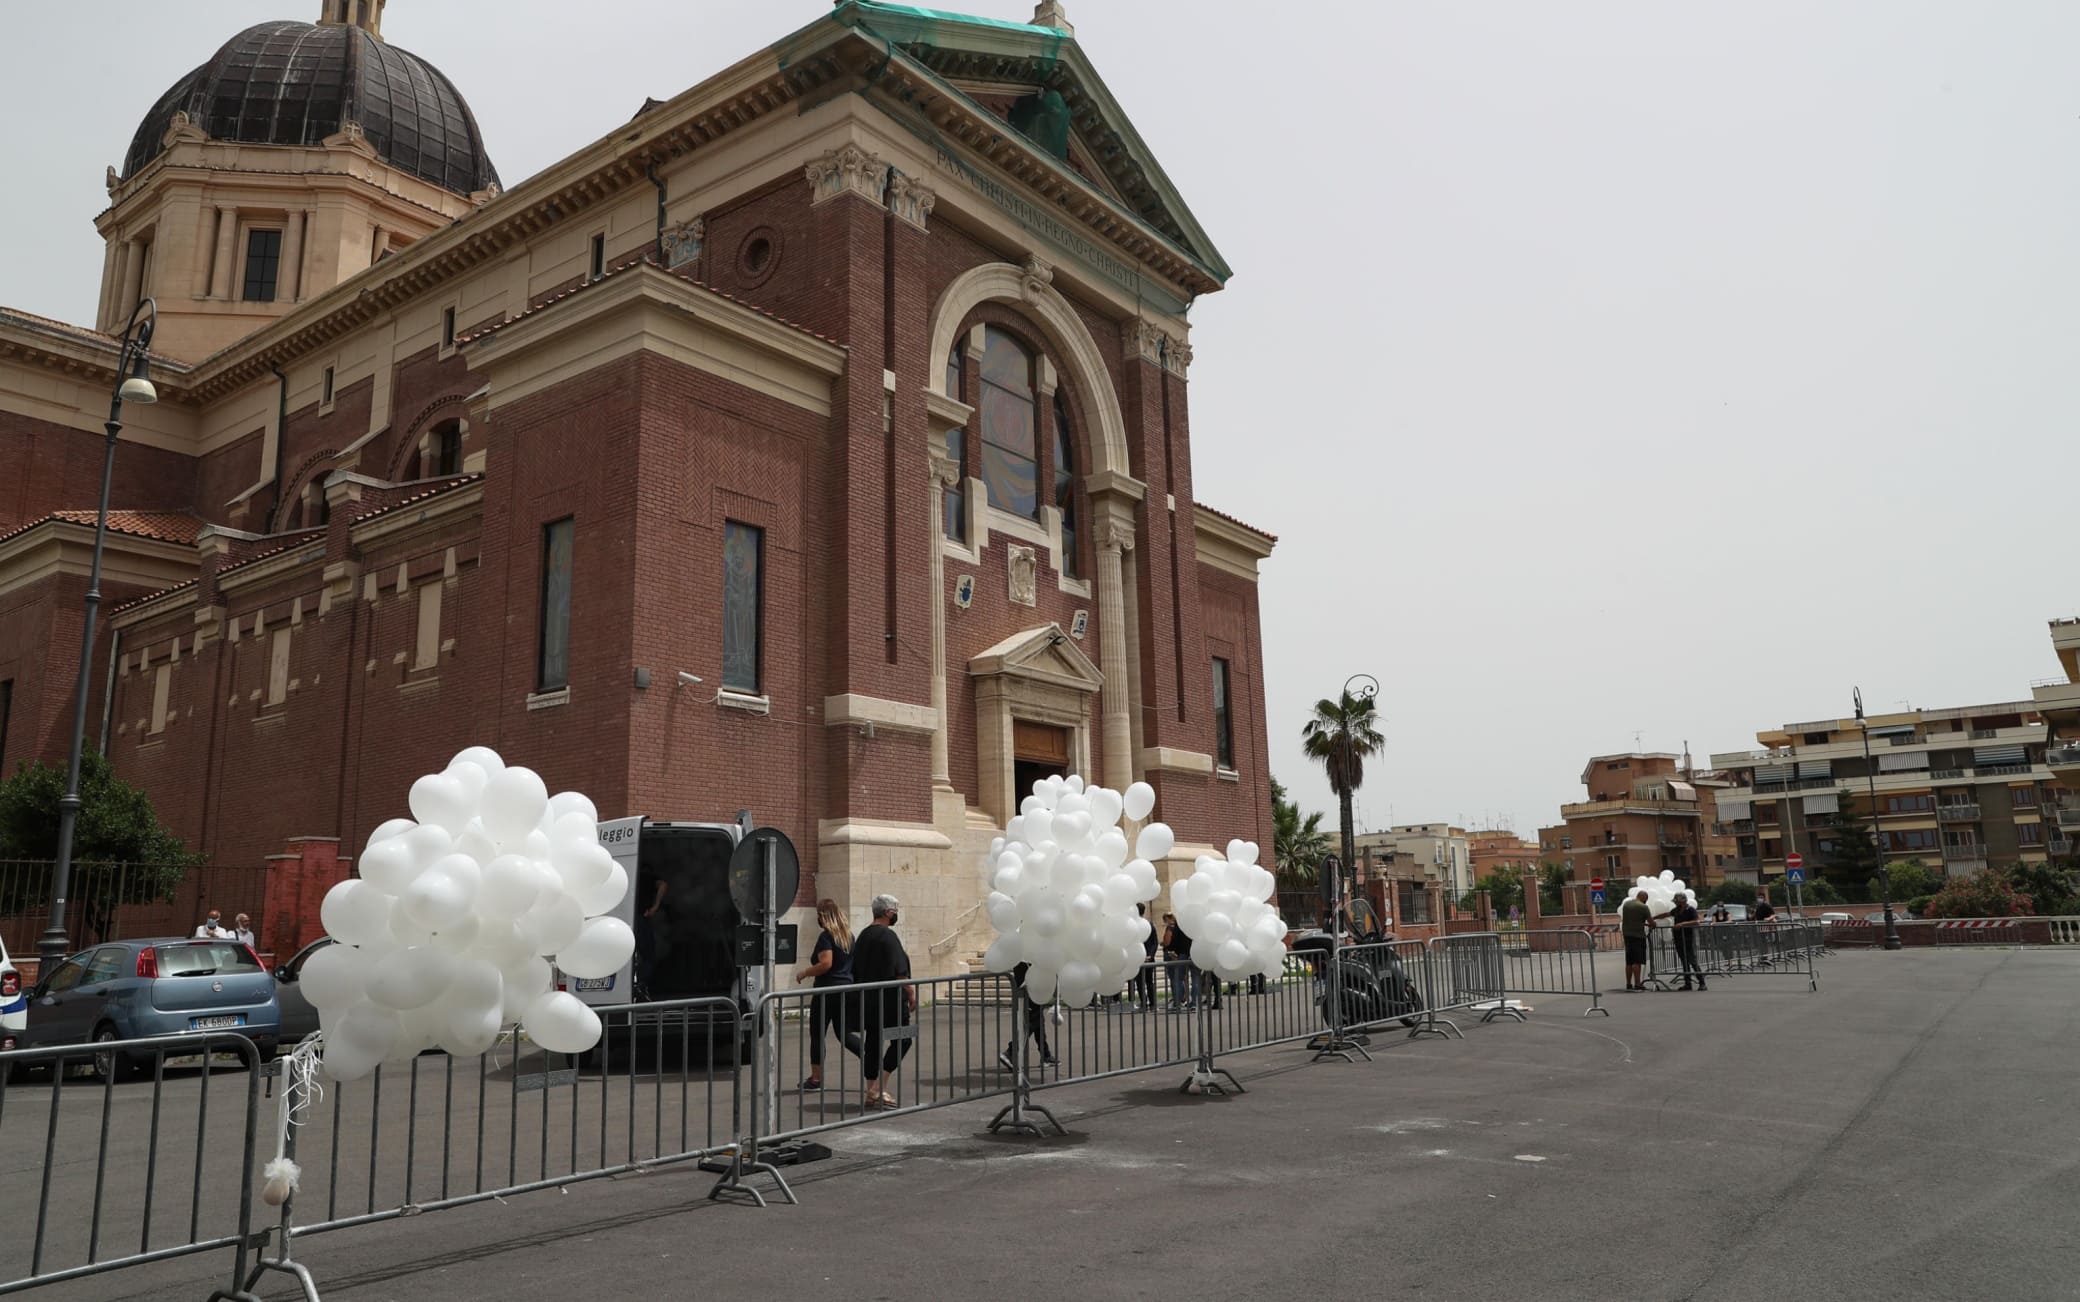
pixel 14 1001
pixel 1829 919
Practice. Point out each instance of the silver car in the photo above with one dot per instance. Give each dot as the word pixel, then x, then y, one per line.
pixel 131 989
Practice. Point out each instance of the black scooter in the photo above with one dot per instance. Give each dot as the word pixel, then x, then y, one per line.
pixel 1374 985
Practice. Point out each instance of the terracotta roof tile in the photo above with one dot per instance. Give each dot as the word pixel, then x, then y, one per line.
pixel 151 596
pixel 161 526
pixel 617 269
pixel 1201 506
pixel 280 543
pixel 435 490
pixel 51 325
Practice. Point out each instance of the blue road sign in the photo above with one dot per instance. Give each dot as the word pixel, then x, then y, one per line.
pixel 1595 897
pixel 1796 876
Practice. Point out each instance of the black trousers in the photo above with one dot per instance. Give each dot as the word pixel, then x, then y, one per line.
pixel 1686 954
pixel 838 1009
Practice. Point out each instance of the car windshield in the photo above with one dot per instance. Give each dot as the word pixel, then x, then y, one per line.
pixel 207 958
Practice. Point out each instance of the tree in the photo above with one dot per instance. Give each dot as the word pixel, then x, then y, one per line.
pixel 1988 893
pixel 1297 843
pixel 121 853
pixel 1855 855
pixel 1818 890
pixel 2048 886
pixel 1339 736
pixel 1910 880
pixel 1730 892
pixel 1552 899
pixel 1505 890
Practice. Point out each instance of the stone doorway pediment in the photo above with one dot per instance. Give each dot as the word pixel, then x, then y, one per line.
pixel 1044 655
pixel 1037 676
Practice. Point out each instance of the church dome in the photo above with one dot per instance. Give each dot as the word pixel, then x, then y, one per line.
pixel 289 83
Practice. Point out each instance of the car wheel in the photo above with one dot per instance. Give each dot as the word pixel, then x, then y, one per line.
pixel 110 1063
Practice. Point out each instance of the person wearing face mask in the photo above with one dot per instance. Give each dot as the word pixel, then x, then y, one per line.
pixel 878 955
pixel 212 927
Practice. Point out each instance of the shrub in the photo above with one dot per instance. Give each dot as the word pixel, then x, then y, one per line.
pixel 1989 893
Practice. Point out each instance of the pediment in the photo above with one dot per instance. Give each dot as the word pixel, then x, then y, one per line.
pixel 994 64
pixel 1045 654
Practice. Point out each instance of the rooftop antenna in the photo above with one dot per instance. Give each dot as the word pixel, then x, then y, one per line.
pixel 1636 734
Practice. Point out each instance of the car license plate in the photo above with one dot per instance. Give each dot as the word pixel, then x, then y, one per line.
pixel 216 1023
pixel 584 984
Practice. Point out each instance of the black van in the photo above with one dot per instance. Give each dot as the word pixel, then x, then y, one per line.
pixel 686 949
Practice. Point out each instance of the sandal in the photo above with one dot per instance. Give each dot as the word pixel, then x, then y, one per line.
pixel 812 1083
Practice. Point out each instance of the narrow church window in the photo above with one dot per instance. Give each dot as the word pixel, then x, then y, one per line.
pixel 599 256
pixel 1065 485
pixel 1223 717
pixel 447 448
pixel 743 582
pixel 953 372
pixel 1010 468
pixel 263 260
pixel 553 659
pixel 956 496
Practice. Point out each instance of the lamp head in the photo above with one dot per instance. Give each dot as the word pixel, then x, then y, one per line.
pixel 138 389
pixel 137 386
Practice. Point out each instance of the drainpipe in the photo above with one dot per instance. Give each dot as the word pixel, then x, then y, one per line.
pixel 658 181
pixel 281 435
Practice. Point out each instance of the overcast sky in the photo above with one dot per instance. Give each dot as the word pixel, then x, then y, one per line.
pixel 1606 370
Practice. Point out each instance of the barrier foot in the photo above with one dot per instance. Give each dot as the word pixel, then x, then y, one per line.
pixel 1202 1080
pixel 1432 1025
pixel 1504 1010
pixel 1338 1045
pixel 733 1185
pixel 1596 1006
pixel 1013 1119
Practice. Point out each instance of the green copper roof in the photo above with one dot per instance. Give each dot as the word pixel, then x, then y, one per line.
pixel 944 15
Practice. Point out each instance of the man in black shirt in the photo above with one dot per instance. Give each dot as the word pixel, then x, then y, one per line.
pixel 878 955
pixel 1764 911
pixel 1683 920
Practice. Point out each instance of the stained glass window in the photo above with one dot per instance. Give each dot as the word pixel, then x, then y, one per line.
pixel 553 663
pixel 1010 420
pixel 956 521
pixel 1065 486
pixel 743 582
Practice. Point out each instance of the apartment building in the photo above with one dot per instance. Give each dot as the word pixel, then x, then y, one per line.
pixel 1966 787
pixel 2058 702
pixel 1494 850
pixel 1647 812
pixel 1416 868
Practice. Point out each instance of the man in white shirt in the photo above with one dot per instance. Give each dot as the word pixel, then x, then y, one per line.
pixel 242 932
pixel 212 927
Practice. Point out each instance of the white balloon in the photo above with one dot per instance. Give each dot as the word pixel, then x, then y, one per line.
pixel 509 888
pixel 575 828
pixel 572 802
pixel 607 896
pixel 512 804
pixel 1112 848
pixel 1040 983
pixel 334 978
pixel 552 923
pixel 1139 801
pixel 471 777
pixel 602 946
pixel 1155 842
pixel 435 899
pixel 1003 953
pixel 357 1041
pixel 356 912
pixel 442 801
pixel 428 843
pixel 500 944
pixel 388 865
pixel 405 932
pixel 560 1022
pixel 461 936
pixel 476 842
pixel 1213 929
pixel 412 978
pixel 1002 910
pixel 389 828
pixel 522 985
pixel 483 757
pixel 470 1032
pixel 1106 807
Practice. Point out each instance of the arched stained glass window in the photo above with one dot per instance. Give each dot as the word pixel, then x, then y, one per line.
pixel 1065 487
pixel 953 371
pixel 1010 426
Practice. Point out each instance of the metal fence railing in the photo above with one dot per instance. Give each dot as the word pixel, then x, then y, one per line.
pixel 1736 949
pixel 121 1175
pixel 1554 963
pixel 114 901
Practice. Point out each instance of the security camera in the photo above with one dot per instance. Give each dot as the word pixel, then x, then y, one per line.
pixel 688 680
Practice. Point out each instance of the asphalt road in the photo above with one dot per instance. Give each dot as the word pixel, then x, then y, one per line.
pixel 1904 1133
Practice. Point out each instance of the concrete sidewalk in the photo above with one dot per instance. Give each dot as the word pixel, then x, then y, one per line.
pixel 1902 1134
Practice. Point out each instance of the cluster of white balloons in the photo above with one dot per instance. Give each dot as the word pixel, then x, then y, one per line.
pixel 447 934
pixel 1064 887
pixel 1661 892
pixel 1225 907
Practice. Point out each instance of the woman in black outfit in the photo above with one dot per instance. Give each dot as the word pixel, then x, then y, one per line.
pixel 831 965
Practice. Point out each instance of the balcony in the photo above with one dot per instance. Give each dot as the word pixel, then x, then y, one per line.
pixel 2065 754
pixel 1959 812
pixel 1744 827
pixel 1748 862
pixel 2060 848
pixel 1945 775
pixel 1964 853
pixel 2069 817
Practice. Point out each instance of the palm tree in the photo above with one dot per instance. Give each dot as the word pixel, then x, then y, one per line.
pixel 1340 734
pixel 1297 844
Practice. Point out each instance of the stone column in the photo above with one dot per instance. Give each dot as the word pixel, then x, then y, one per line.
pixel 944 472
pixel 220 283
pixel 205 241
pixel 133 279
pixel 289 280
pixel 1115 537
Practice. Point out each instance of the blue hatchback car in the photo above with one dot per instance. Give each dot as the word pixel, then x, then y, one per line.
pixel 130 989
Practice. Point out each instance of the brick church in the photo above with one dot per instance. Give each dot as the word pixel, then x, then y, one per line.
pixel 814 442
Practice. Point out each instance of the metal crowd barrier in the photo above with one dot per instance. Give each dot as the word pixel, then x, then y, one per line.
pixel 136 1173
pixel 1554 963
pixel 1738 949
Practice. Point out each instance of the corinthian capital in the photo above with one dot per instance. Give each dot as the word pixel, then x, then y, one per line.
pixel 909 198
pixel 1115 535
pixel 1145 341
pixel 848 170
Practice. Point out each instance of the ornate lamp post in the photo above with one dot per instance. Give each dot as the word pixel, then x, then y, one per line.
pixel 1877 828
pixel 132 385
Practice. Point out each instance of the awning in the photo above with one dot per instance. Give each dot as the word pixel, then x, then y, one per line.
pixel 1808 769
pixel 1823 802
pixel 1999 755
pixel 1774 772
pixel 1730 810
pixel 1894 762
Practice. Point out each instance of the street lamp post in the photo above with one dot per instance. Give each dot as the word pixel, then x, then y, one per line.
pixel 132 385
pixel 1870 775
